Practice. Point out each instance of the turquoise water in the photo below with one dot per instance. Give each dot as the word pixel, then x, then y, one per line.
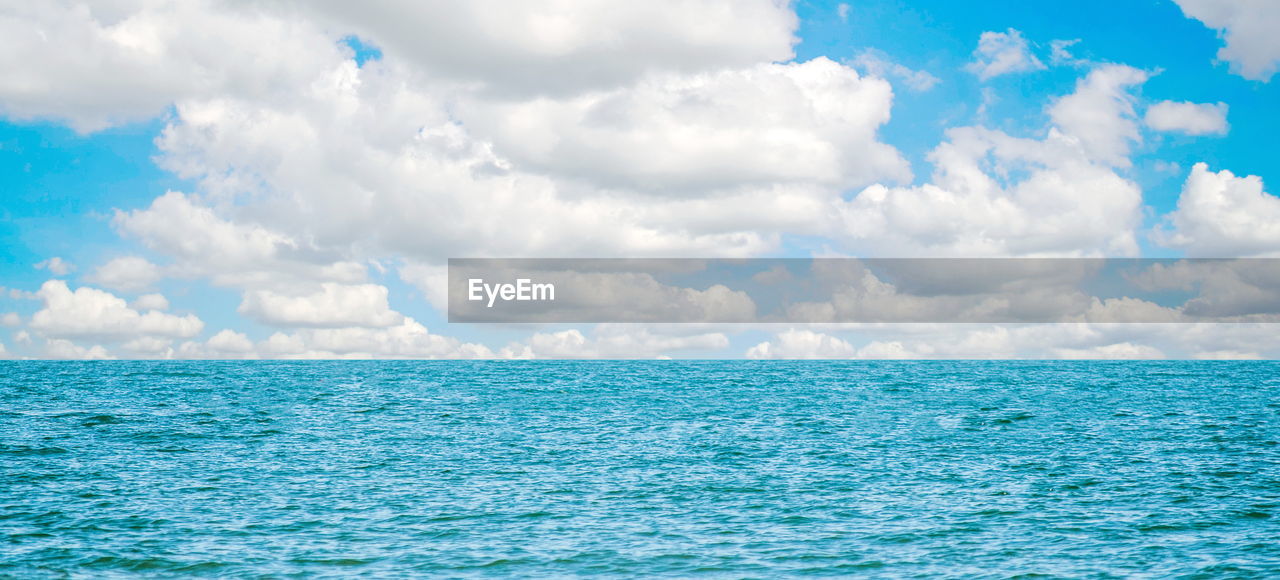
pixel 640 469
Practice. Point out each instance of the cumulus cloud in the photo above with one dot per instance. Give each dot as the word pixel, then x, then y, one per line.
pixel 1099 114
pixel 1189 118
pixel 617 341
pixel 425 166
pixel 680 134
pixel 1120 350
pixel 232 253
pixel 10 319
pixel 995 194
pixel 149 347
pixel 127 274
pixel 546 46
pixel 803 344
pixel 228 341
pixel 150 302
pixel 1222 215
pixel 1002 53
pixel 331 305
pixel 56 266
pixel 1248 28
pixel 409 339
pixel 543 128
pixel 89 312
pixel 1033 341
pixel 60 348
pixel 96 65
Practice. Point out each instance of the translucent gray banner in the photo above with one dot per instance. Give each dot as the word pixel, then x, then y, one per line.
pixel 842 290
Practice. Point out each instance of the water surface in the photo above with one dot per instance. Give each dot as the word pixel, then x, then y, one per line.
pixel 639 469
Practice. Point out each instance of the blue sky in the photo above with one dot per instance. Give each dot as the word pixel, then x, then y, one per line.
pixel 86 147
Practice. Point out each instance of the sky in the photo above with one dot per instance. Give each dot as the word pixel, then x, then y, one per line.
pixel 287 179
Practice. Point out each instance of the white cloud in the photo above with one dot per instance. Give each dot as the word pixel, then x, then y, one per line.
pixel 1248 28
pixel 232 253
pixel 1120 350
pixel 995 194
pixel 431 280
pixel 548 46
pixel 543 128
pixel 127 274
pixel 1060 52
pixel 806 344
pixel 56 266
pixel 149 347
pixel 1001 53
pixel 618 341
pixel 409 339
pixel 150 302
pixel 59 348
pixel 675 134
pixel 1227 355
pixel 331 305
pixel 230 341
pixel 877 63
pixel 1189 118
pixel 89 312
pixel 1100 113
pixel 102 64
pixel 1032 341
pixel 10 319
pixel 1222 215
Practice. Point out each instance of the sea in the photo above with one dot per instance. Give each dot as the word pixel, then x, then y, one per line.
pixel 640 469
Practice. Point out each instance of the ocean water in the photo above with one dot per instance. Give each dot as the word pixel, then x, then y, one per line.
pixel 729 469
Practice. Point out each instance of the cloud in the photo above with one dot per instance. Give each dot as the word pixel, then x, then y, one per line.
pixel 548 47
pixel 1120 350
pixel 56 266
pixel 58 348
pixel 127 274
pixel 89 312
pixel 1100 113
pixel 98 65
pixel 149 347
pixel 1248 29
pixel 676 134
pixel 150 302
pixel 331 305
pixel 1060 52
pixel 1033 341
pixel 1224 216
pixel 1189 118
pixel 805 344
pixel 993 194
pixel 409 339
pixel 1227 355
pixel 10 319
pixel 232 253
pixel 230 342
pixel 618 341
pixel 877 63
pixel 1002 53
